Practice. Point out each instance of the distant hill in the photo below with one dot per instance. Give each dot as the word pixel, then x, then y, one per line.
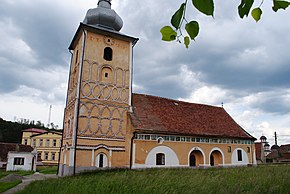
pixel 11 132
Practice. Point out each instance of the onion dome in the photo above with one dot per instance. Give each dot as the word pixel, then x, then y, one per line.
pixel 275 147
pixel 104 16
pixel 263 138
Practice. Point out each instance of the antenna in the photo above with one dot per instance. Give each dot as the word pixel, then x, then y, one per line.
pixel 49 115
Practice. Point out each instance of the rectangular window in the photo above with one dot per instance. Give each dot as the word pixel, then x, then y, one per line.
pixel 239 152
pixel 33 142
pixel 52 156
pixel 229 149
pixel 248 149
pixel 54 143
pixel 160 159
pixel 25 142
pixel 47 143
pixel 18 161
pixel 40 143
pixel 38 156
pixel 45 155
pixel 147 137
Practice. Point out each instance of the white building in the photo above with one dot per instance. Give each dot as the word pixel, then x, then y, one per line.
pixel 21 161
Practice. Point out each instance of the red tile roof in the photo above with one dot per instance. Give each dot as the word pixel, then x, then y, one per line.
pixel 161 115
pixel 7 147
pixel 34 130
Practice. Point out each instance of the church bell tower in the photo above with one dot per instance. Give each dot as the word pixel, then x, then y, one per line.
pixel 99 94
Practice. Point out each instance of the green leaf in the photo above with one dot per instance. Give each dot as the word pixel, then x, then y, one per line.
pixel 192 28
pixel 245 7
pixel 168 34
pixel 256 14
pixel 280 5
pixel 204 6
pixel 176 18
pixel 186 41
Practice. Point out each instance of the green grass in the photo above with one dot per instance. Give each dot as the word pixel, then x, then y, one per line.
pixel 4 186
pixel 4 173
pixel 262 179
pixel 47 169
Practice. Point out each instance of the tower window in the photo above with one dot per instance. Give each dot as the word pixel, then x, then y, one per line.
pixel 106 75
pixel 108 54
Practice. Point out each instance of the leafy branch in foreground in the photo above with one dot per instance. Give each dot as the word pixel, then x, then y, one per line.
pixel 178 20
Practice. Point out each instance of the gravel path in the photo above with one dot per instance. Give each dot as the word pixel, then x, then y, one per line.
pixel 28 179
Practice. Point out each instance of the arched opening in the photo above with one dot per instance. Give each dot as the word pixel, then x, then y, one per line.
pixel 108 54
pixel 160 159
pixel 216 158
pixel 195 158
pixel 101 160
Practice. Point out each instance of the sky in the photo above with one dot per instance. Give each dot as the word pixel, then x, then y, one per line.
pixel 243 64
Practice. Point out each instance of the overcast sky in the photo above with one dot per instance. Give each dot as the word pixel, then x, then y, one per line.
pixel 244 64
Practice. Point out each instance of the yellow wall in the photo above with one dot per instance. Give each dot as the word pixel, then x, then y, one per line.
pixel 183 149
pixel 49 148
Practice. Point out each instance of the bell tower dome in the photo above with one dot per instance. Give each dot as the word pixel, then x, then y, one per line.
pixel 99 94
pixel 104 16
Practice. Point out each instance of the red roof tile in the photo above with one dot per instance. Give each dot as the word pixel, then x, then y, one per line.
pixel 162 115
pixel 7 147
pixel 34 130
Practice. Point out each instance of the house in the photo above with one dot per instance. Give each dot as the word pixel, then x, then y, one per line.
pixel 17 157
pixel 22 161
pixel 279 154
pixel 47 144
pixel 106 125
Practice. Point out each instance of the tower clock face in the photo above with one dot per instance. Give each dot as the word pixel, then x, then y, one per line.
pixel 109 40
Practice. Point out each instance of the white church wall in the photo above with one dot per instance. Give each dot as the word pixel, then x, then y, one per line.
pixel 171 158
pixel 235 160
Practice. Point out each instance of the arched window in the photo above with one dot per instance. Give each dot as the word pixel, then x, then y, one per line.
pixel 101 160
pixel 160 159
pixel 108 54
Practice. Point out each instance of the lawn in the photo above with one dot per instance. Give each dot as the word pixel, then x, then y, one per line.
pixel 4 186
pixel 47 169
pixel 7 185
pixel 262 179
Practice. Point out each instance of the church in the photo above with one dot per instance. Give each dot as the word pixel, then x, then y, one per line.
pixel 106 125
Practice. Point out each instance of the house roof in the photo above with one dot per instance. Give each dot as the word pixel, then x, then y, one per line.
pixel 281 154
pixel 7 147
pixel 161 115
pixel 35 130
pixel 47 132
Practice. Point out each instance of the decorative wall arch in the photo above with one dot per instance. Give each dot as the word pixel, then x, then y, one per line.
pixel 222 155
pixel 196 149
pixel 245 158
pixel 171 158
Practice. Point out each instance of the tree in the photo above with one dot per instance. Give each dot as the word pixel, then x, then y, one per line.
pixel 178 20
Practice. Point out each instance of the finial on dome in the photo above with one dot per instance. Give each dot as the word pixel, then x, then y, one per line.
pixel 104 16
